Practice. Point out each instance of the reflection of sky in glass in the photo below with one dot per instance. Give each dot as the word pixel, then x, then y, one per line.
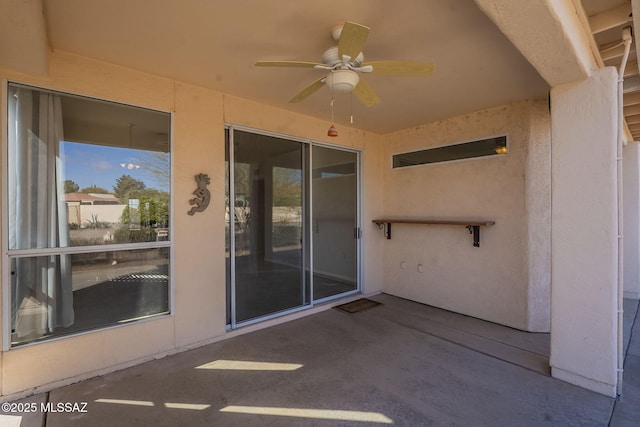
pixel 97 165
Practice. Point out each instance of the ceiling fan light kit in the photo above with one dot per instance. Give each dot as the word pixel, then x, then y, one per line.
pixel 342 81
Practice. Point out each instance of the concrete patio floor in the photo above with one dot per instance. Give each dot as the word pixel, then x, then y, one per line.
pixel 400 363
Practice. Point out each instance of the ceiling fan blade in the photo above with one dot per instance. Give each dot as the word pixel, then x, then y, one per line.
pixel 352 39
pixel 304 93
pixel 365 93
pixel 401 68
pixel 296 64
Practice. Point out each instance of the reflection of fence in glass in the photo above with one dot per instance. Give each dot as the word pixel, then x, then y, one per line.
pixel 141 220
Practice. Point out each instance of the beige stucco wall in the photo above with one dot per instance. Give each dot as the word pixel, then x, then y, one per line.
pixel 495 281
pixel 537 174
pixel 198 269
pixel 584 292
pixel 631 226
pixel 585 232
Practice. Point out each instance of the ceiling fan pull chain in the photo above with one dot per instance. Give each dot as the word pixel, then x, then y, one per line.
pixel 351 106
pixel 332 108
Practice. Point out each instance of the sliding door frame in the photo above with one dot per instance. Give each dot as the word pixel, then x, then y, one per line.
pixel 307 234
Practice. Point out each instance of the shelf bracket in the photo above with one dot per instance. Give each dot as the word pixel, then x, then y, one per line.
pixel 386 226
pixel 475 230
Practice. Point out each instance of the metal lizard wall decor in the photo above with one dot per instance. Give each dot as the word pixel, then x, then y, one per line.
pixel 201 201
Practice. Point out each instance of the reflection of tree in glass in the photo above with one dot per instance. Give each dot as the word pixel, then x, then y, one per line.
pixel 152 211
pixel 95 190
pixel 70 186
pixel 156 167
pixel 287 189
pixel 127 188
pixel 146 210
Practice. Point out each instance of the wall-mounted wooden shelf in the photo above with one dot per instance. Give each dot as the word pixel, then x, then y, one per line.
pixel 472 225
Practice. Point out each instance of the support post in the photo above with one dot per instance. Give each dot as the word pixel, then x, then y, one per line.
pixel 584 246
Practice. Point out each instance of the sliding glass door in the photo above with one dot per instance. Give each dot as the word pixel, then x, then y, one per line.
pixel 268 225
pixel 292 218
pixel 334 222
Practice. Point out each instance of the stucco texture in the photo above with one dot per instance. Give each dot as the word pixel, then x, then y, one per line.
pixel 492 282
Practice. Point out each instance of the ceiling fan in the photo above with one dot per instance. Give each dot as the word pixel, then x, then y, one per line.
pixel 344 63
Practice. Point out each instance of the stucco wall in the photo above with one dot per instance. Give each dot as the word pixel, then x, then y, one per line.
pixel 495 281
pixel 198 269
pixel 537 175
pixel 631 229
pixel 584 232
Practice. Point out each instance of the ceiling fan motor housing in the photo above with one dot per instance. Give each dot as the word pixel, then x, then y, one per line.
pixel 342 81
pixel 331 58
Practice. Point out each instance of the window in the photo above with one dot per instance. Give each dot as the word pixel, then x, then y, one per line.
pixel 88 213
pixel 467 150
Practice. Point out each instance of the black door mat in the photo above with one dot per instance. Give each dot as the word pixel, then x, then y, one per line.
pixel 357 305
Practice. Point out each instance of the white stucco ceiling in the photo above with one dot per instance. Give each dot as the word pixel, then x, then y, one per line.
pixel 215 44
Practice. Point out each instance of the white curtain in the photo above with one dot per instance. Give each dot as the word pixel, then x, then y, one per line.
pixel 41 287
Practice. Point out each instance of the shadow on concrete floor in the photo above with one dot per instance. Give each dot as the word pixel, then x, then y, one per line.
pixel 399 363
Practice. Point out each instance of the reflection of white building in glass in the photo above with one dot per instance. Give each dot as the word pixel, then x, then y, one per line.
pixel 83 208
